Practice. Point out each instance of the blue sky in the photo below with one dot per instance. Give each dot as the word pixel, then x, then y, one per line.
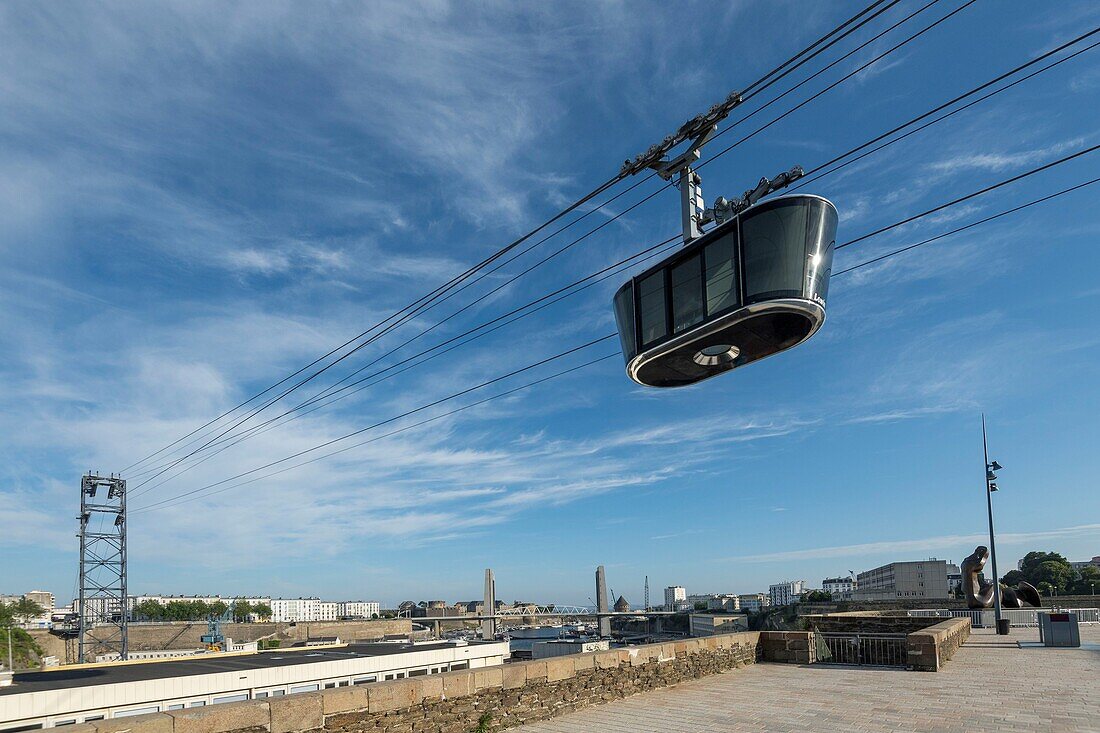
pixel 198 199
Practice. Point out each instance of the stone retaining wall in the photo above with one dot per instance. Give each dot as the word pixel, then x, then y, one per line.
pixel 929 649
pixel 455 702
pixel 792 647
pixel 187 634
pixel 869 622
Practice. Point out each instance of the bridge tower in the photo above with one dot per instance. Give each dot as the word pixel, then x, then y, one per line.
pixel 601 603
pixel 489 609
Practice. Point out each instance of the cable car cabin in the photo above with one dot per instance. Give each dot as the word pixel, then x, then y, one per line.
pixel 752 287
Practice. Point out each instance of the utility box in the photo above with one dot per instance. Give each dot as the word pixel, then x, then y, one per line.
pixel 1059 629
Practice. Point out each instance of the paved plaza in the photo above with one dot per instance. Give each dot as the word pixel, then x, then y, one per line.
pixel 991 686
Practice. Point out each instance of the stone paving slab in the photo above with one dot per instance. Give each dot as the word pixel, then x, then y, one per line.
pixel 992 685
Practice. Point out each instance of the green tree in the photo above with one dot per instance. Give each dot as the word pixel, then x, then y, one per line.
pixel 1032 561
pixel 25 609
pixel 242 610
pixel 217 608
pixel 262 611
pixel 149 610
pixel 1044 587
pixel 25 651
pixel 1088 580
pixel 1058 575
pixel 817 596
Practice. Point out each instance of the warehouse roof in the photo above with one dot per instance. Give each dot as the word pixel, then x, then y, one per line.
pixel 107 674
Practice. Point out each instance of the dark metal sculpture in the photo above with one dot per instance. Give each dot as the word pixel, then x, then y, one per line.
pixel 980 594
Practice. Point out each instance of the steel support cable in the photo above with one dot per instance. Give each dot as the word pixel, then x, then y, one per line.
pixel 768 77
pixel 963 228
pixel 649 197
pixel 403 415
pixel 442 288
pixel 401 321
pixel 967 197
pixel 174 502
pixel 138 488
pixel 859 69
pixel 380 376
pixel 530 247
pixel 814 174
pixel 422 357
pixel 834 62
pixel 902 222
pixel 764 81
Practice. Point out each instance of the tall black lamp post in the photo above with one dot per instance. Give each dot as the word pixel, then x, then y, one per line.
pixel 990 487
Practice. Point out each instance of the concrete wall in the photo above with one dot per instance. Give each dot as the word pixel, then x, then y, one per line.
pixel 454 702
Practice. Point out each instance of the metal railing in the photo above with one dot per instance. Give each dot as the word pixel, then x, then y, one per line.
pixel 880 650
pixel 1017 617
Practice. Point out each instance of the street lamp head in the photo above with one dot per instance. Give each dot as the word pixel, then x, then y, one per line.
pixel 992 486
pixel 994 466
pixel 990 476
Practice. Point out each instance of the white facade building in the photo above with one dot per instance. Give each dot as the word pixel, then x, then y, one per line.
pixel 784 594
pixel 838 586
pixel 675 598
pixel 327 611
pixel 295 609
pixel 359 609
pixel 753 602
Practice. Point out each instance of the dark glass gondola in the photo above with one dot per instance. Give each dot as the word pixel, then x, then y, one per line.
pixel 750 288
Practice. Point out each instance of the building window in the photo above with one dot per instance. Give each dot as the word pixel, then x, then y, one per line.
pixel 305 688
pixel 231 698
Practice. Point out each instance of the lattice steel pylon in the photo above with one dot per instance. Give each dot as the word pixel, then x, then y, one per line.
pixel 103 608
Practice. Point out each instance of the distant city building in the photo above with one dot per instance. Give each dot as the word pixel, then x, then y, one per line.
pixel 954 578
pixel 621 606
pixel 1094 562
pixel 359 609
pixel 753 602
pixel 295 609
pixel 675 598
pixel 784 594
pixel 917 579
pixel 724 602
pixel 708 624
pixel 43 598
pixel 838 587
